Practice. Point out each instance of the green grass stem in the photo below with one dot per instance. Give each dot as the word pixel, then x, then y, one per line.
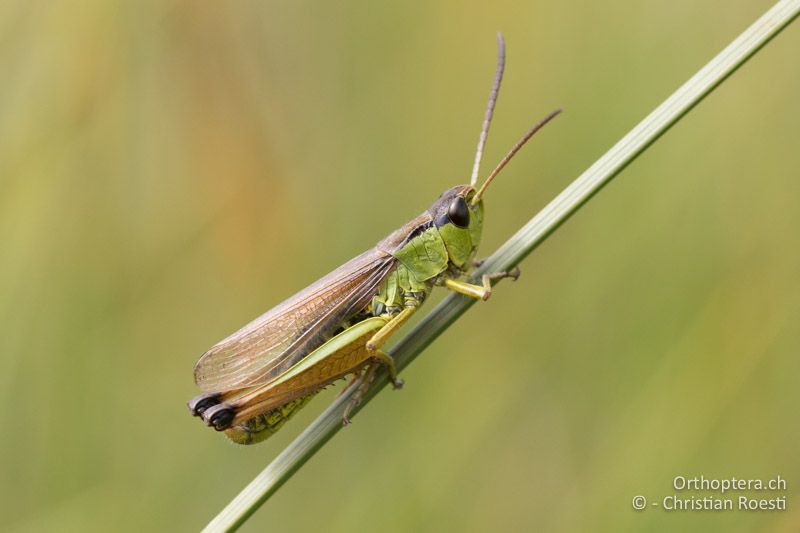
pixel 514 251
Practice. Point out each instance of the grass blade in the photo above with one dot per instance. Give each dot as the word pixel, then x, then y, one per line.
pixel 514 250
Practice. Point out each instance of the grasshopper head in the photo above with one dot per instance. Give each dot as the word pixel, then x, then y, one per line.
pixel 460 222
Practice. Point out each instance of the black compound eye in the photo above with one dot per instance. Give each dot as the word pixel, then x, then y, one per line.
pixel 458 212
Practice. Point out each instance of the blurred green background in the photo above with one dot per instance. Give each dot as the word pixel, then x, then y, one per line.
pixel 170 170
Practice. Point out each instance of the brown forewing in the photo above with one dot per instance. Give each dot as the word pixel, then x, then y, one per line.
pixel 275 341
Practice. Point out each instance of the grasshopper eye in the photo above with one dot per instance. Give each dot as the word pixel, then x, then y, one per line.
pixel 458 212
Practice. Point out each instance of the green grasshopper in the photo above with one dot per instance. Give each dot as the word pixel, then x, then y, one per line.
pixel 260 376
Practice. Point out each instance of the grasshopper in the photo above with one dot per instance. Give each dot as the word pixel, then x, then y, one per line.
pixel 259 377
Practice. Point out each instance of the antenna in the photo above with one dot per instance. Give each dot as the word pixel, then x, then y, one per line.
pixel 487 117
pixel 503 162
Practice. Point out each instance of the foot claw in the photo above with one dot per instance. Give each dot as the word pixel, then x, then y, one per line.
pixel 398 383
